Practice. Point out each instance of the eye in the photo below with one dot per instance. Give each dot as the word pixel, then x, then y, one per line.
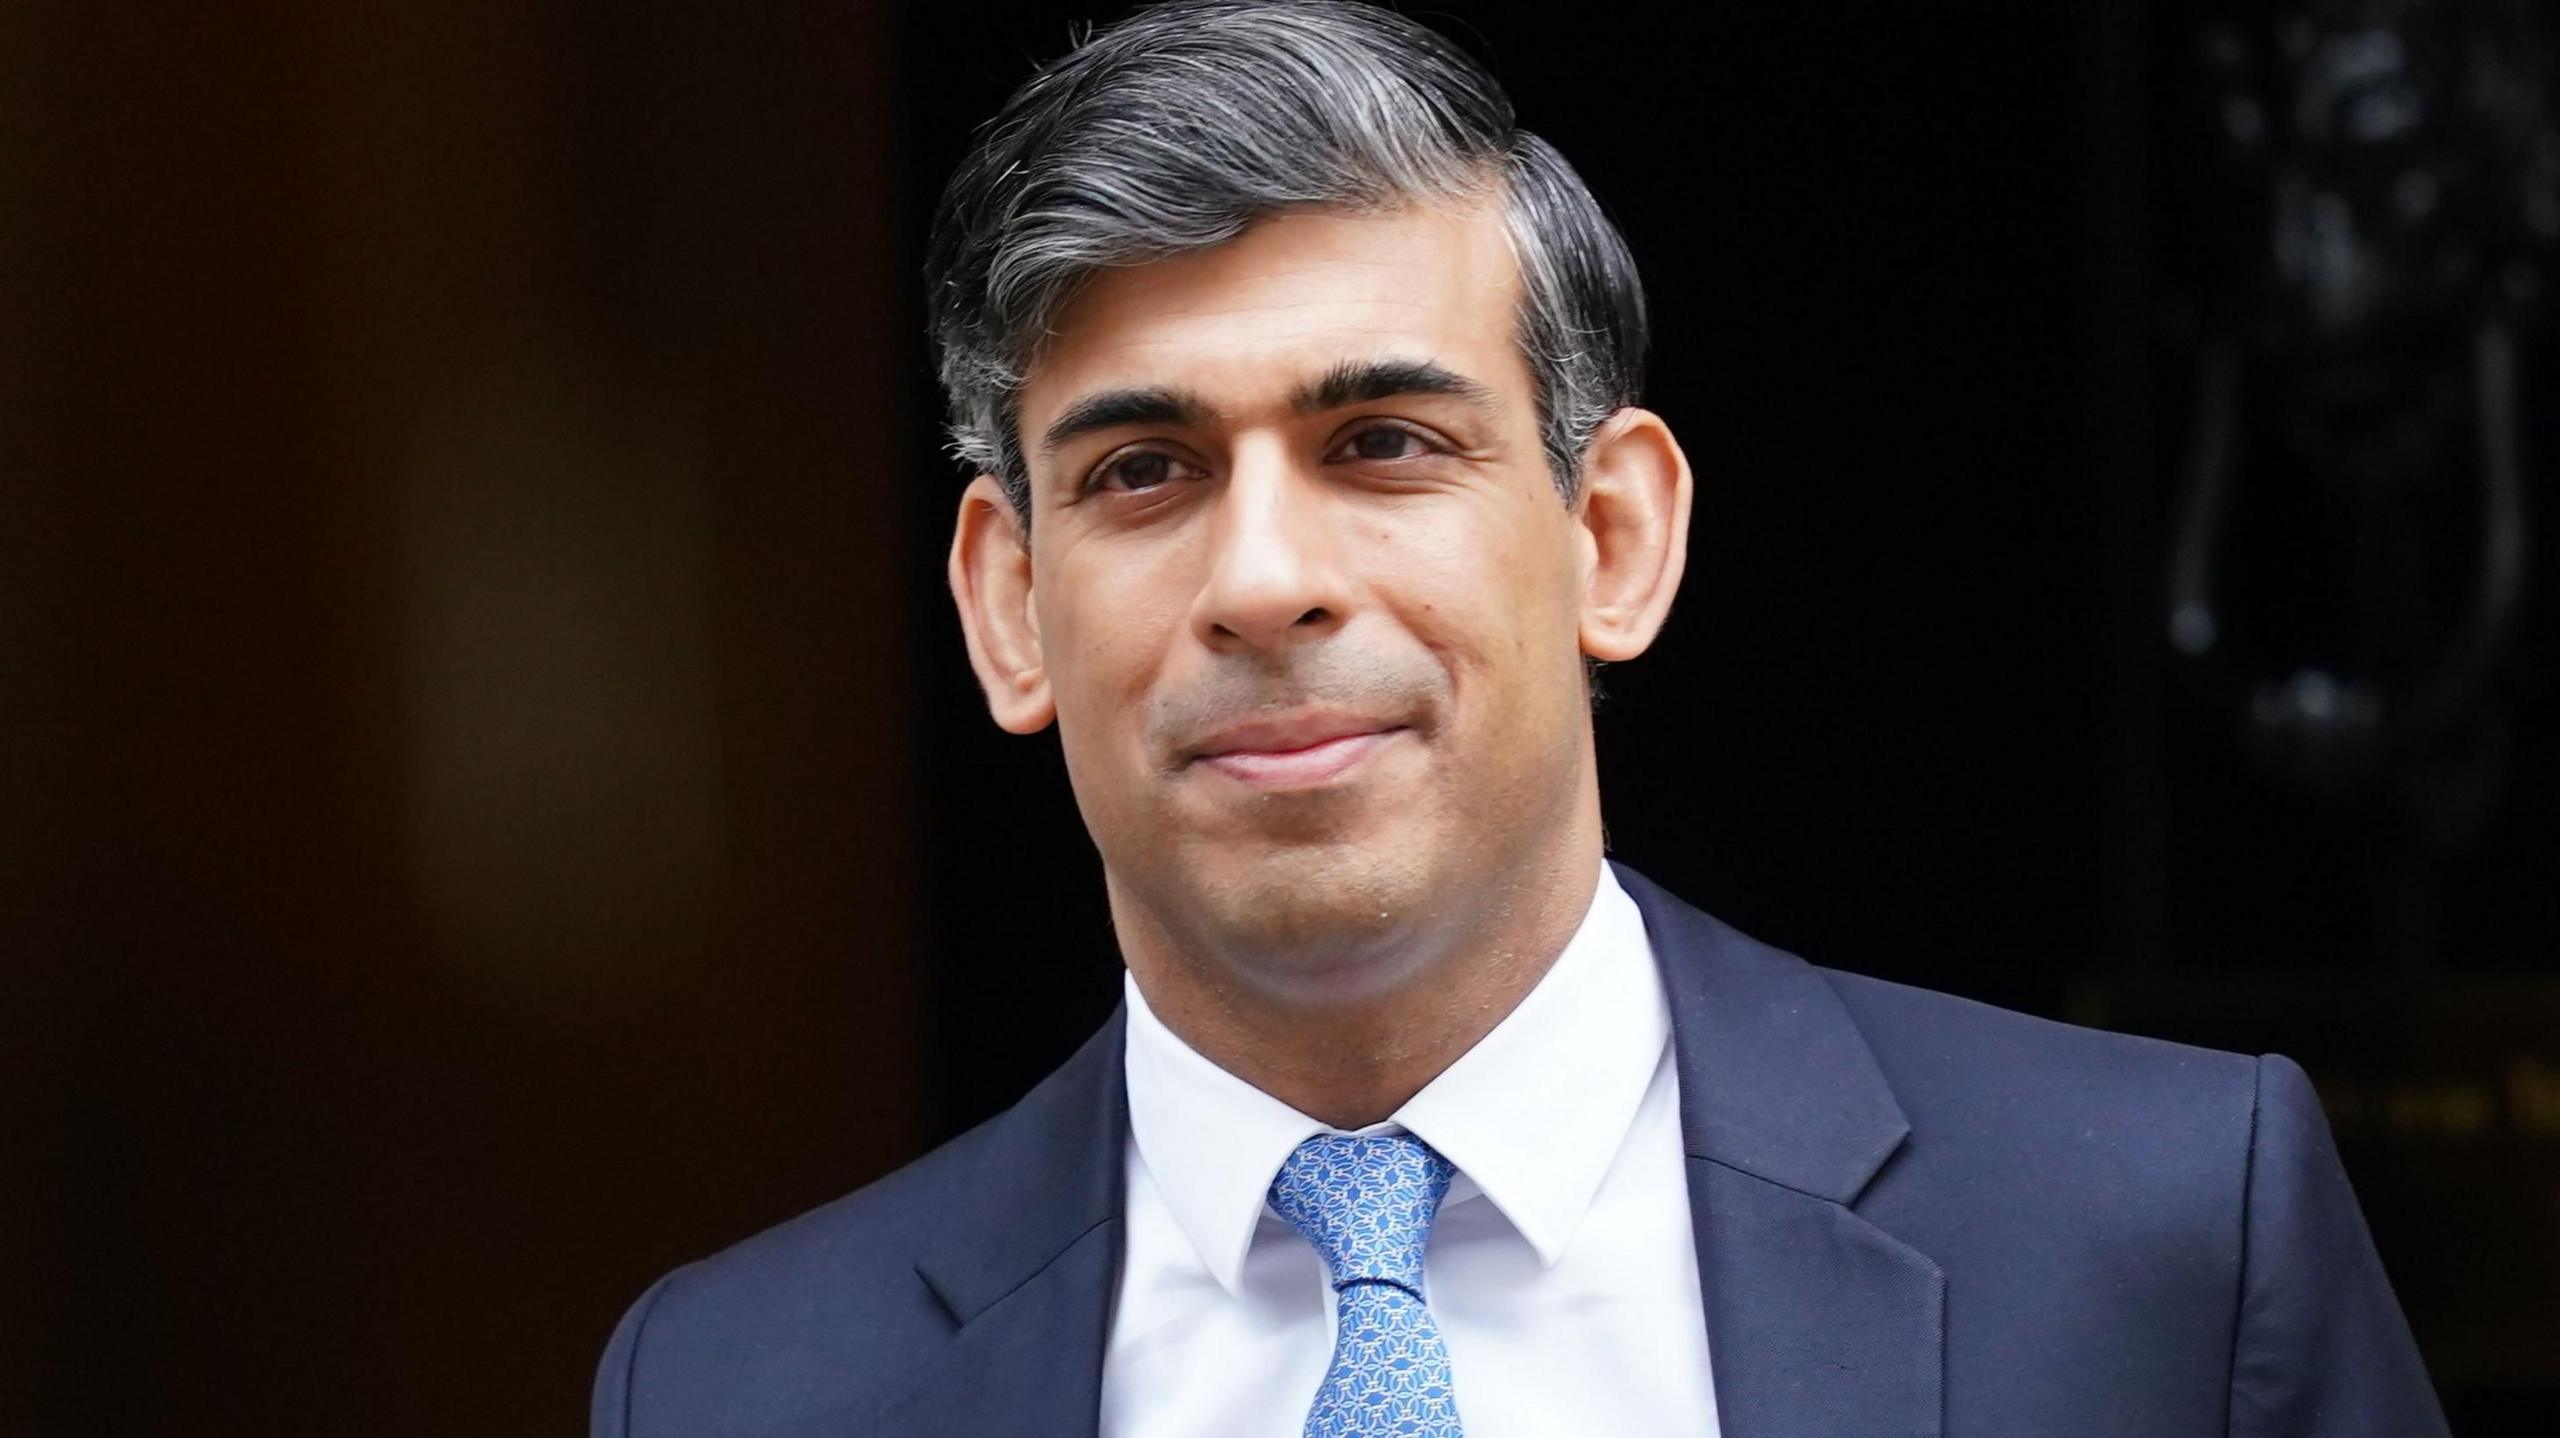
pixel 1138 470
pixel 1383 442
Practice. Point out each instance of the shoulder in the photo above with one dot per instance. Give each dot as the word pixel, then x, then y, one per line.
pixel 823 1315
pixel 829 1301
pixel 847 1247
pixel 2090 1142
pixel 1943 1045
pixel 1976 1085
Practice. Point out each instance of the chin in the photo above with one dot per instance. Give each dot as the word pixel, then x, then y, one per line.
pixel 1318 922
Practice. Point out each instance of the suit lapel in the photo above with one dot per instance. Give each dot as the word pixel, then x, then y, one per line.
pixel 1026 1261
pixel 1818 1321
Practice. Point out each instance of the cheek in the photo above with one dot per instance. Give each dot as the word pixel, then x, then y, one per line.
pixel 1498 603
pixel 1105 629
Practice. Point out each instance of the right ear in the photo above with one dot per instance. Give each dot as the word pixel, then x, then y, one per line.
pixel 991 582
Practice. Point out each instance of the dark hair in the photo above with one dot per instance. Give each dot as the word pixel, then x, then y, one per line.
pixel 1182 125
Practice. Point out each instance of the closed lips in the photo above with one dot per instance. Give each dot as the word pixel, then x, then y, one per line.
pixel 1287 736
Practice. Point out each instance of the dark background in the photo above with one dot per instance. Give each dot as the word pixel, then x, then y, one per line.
pixel 495 806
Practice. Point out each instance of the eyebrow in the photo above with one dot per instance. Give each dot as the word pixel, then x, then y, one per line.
pixel 1112 408
pixel 1348 383
pixel 1365 381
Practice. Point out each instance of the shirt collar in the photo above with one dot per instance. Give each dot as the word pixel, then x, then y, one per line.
pixel 1534 1114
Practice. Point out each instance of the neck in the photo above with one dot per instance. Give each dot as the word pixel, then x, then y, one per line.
pixel 1352 1062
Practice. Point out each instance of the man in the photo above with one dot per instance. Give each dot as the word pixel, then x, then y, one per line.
pixel 1301 387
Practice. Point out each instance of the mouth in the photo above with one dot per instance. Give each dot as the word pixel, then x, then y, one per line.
pixel 1294 756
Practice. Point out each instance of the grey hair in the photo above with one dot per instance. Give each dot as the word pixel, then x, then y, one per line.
pixel 1179 127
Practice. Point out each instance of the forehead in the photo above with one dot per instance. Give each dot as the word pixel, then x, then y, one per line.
pixel 1244 323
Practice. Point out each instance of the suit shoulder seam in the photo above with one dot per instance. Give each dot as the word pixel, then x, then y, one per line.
pixel 2240 1274
pixel 642 1312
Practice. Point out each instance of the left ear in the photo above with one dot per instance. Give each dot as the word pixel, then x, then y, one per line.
pixel 1634 510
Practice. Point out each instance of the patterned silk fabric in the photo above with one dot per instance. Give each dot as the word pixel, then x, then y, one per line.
pixel 1367 1206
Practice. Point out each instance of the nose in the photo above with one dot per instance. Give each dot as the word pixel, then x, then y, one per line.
pixel 1274 568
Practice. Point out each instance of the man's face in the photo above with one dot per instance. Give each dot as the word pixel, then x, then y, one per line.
pixel 1304 591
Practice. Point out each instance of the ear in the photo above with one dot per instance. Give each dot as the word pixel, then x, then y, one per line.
pixel 1634 508
pixel 991 582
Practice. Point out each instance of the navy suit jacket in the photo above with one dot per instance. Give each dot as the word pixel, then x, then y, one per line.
pixel 1915 1215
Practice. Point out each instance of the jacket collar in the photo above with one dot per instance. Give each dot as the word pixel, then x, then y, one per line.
pixel 1775 1079
pixel 1025 1261
pixel 1048 1175
pixel 1818 1321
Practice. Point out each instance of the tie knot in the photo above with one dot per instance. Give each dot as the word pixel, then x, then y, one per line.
pixel 1365 1203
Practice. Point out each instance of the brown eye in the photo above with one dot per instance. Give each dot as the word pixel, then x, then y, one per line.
pixel 1142 470
pixel 1384 442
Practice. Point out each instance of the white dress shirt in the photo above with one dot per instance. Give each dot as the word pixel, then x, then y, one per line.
pixel 1562 1269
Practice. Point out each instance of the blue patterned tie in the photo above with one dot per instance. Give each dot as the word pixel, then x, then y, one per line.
pixel 1367 1205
